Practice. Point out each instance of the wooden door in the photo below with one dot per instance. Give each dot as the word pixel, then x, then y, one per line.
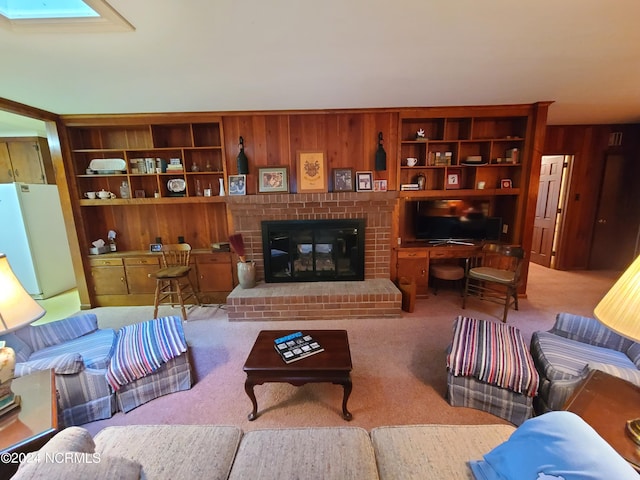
pixel 618 219
pixel 6 171
pixel 544 224
pixel 26 161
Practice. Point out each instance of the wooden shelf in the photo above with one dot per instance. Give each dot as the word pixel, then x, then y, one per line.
pixel 151 201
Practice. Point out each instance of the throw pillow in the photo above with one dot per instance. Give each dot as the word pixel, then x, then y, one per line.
pixel 556 444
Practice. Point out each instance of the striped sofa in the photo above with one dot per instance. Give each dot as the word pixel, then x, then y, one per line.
pixel 573 347
pixel 81 354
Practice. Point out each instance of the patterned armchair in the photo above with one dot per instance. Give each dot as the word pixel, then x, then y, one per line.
pixel 79 353
pixel 575 345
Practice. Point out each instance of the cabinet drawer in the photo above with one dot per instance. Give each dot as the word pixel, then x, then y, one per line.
pixel 411 254
pixel 151 260
pixel 212 258
pixel 453 253
pixel 105 262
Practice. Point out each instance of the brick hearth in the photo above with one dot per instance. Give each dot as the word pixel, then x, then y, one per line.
pixel 374 297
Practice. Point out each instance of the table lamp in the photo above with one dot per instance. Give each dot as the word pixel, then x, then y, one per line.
pixel 17 309
pixel 619 310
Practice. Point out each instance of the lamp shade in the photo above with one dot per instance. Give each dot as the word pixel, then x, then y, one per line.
pixel 17 308
pixel 620 308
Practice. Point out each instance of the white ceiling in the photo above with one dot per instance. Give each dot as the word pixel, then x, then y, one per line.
pixel 228 55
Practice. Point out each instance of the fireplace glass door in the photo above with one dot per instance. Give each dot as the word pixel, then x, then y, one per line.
pixel 320 250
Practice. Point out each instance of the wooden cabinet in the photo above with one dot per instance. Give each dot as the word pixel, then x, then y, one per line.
pixel 215 276
pixel 414 264
pixel 108 276
pixel 138 150
pixel 25 160
pixel 415 260
pixel 137 270
pixel 122 278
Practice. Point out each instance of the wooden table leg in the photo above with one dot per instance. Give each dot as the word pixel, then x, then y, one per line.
pixel 346 384
pixel 248 387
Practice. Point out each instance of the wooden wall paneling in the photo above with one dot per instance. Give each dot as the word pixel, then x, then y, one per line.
pixel 75 224
pixel 387 123
pixel 266 140
pixel 308 132
pixel 276 140
pixel 525 207
pixel 587 143
pixel 352 140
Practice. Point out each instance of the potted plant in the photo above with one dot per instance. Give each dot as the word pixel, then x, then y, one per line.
pixel 246 268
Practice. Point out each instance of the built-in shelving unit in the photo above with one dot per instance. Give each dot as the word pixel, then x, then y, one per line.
pixel 162 204
pixel 480 155
pixel 147 152
pixel 479 152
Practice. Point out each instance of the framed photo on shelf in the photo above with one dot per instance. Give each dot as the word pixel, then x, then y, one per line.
pixel 342 180
pixel 312 172
pixel 364 181
pixel 237 184
pixel 379 185
pixel 506 183
pixel 453 179
pixel 272 179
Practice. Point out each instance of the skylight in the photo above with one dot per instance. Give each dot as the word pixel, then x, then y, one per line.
pixel 21 9
pixel 61 15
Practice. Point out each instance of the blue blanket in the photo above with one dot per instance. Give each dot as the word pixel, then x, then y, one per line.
pixel 143 348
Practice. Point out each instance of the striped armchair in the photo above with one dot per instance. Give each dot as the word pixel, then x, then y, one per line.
pixel 575 345
pixel 79 353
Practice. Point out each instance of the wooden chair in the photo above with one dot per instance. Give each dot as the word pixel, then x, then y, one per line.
pixel 172 280
pixel 495 275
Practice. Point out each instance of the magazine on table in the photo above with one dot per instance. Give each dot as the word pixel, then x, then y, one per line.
pixel 296 346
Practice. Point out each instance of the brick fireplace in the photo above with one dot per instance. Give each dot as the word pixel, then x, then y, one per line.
pixel 375 296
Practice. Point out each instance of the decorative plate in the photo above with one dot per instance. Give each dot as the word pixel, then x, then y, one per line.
pixel 176 185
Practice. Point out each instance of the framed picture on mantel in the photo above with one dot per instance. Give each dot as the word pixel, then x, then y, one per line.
pixel 273 179
pixel 312 172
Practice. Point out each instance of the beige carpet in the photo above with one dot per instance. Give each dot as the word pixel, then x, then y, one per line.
pixel 398 364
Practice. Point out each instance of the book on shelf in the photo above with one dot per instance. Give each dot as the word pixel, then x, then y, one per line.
pixel 409 187
pixel 296 346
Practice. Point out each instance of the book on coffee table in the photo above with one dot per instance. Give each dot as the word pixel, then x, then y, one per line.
pixel 295 346
pixel 8 404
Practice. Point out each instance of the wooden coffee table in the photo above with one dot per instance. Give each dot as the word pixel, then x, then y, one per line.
pixel 333 365
pixel 606 403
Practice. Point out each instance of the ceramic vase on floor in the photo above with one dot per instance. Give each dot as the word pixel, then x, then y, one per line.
pixel 247 274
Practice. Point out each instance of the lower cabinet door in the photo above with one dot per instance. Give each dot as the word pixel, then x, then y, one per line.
pixel 109 280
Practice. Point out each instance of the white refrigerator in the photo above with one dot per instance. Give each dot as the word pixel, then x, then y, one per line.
pixel 34 239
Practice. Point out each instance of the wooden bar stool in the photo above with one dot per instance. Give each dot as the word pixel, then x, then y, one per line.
pixel 173 278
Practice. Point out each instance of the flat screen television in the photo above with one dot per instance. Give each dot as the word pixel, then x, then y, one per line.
pixel 457 229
